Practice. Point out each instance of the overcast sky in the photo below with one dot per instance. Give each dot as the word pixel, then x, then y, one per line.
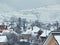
pixel 29 4
pixel 48 9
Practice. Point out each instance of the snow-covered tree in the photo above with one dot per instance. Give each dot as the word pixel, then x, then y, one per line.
pixel 12 37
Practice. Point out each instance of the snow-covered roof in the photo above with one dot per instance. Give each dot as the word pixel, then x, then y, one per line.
pixel 0 33
pixel 33 34
pixel 3 39
pixel 9 31
pixel 57 37
pixel 30 31
pixel 5 31
pixel 27 32
pixel 23 40
pixel 45 33
pixel 36 29
pixel 52 28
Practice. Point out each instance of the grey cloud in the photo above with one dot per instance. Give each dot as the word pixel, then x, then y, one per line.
pixel 28 4
pixel 47 9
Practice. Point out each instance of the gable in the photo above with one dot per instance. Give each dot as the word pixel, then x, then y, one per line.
pixel 50 40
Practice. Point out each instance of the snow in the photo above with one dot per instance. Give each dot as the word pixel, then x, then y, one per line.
pixel 9 27
pixel 9 31
pixel 23 40
pixel 57 37
pixel 36 29
pixel 5 31
pixel 27 32
pixel 3 39
pixel 30 31
pixel 33 34
pixel 0 33
pixel 45 33
pixel 51 28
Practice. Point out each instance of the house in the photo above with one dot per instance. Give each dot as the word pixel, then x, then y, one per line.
pixel 29 32
pixel 26 34
pixel 53 38
pixel 29 35
pixel 24 42
pixel 25 37
pixel 44 35
pixel 3 40
pixel 2 27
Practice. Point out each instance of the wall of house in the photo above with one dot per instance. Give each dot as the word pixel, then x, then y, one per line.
pixel 25 36
pixel 2 43
pixel 52 42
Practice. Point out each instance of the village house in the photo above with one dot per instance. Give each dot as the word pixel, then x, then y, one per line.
pixel 29 35
pixel 26 35
pixel 3 27
pixel 53 38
